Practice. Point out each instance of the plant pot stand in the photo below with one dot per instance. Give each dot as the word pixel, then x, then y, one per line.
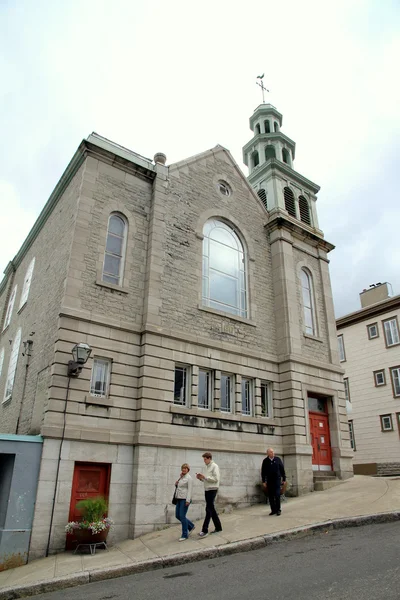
pixel 92 547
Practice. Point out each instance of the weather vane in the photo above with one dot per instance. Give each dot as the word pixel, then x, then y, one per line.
pixel 261 84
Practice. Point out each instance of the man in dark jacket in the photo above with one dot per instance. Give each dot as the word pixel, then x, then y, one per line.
pixel 272 474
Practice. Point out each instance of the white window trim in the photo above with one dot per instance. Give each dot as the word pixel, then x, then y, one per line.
pixel 310 290
pixel 393 382
pixel 10 308
pixel 123 251
pixel 186 386
pixel 27 284
pixel 341 349
pixel 395 327
pixel 108 362
pixel 380 372
pixel 209 390
pixel 12 366
pixel 347 389
pixel 268 385
pixel 352 437
pixel 382 417
pixel 231 393
pixel 373 337
pixel 251 396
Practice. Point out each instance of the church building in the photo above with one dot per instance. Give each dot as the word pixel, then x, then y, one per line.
pixel 203 302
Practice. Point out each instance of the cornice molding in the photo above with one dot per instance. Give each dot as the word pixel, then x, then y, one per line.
pixel 299 230
pixel 275 167
pixel 368 312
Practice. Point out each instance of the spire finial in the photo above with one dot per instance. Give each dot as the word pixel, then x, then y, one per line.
pixel 261 84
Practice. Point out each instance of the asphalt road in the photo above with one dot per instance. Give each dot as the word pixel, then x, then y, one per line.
pixel 359 563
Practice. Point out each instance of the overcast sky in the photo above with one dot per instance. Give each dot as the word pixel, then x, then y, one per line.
pixel 179 77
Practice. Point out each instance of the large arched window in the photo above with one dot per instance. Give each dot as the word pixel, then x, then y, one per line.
pixel 290 204
pixel 114 256
pixel 27 283
pixel 304 210
pixel 12 367
pixel 310 323
pixel 224 269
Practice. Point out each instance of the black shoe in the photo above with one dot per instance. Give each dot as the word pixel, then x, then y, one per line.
pixel 278 514
pixel 272 513
pixel 216 531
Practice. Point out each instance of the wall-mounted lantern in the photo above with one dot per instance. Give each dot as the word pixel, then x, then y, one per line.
pixel 80 354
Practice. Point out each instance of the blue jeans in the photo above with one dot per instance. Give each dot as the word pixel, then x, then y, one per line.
pixel 180 513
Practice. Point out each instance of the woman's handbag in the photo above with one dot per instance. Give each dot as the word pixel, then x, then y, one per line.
pixel 174 498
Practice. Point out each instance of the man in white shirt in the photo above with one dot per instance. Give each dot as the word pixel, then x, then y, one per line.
pixel 211 480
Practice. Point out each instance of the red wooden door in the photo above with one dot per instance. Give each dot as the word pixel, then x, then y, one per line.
pixel 320 440
pixel 89 480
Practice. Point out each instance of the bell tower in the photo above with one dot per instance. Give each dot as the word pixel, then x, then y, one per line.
pixel 270 155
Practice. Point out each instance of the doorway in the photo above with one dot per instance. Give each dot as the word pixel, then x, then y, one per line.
pixel 320 434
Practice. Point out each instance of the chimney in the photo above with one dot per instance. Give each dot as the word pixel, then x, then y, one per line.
pixel 376 293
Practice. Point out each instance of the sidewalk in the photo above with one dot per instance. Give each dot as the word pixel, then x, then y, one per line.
pixel 243 530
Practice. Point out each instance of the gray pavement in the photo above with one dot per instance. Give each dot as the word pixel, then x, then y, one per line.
pixel 353 502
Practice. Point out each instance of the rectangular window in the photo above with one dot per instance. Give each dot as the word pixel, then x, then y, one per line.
pixel 100 377
pixel 10 307
pixel 204 397
pixel 386 422
pixel 395 373
pixel 379 377
pixel 373 331
pixel 226 392
pixel 391 329
pixel 266 399
pixel 247 396
pixel 342 354
pixel 346 389
pixel 181 385
pixel 352 438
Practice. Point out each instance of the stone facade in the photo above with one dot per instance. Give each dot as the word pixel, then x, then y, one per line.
pixel 155 321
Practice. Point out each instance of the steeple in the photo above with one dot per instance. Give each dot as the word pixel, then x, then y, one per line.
pixel 270 155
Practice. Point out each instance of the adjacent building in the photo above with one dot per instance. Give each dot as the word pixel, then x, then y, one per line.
pixel 369 349
pixel 205 299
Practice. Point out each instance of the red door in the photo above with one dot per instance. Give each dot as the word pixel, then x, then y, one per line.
pixel 320 441
pixel 90 480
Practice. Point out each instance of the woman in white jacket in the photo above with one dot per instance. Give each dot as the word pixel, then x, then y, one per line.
pixel 183 494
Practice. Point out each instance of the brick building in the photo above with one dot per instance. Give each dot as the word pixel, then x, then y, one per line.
pixel 206 300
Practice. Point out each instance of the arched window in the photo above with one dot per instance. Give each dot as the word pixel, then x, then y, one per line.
pixel 10 308
pixel 267 126
pixel 224 269
pixel 255 158
pixel 289 201
pixel 308 302
pixel 285 156
pixel 27 283
pixel 269 152
pixel 1 360
pixel 258 130
pixel 114 255
pixel 276 126
pixel 304 210
pixel 12 367
pixel 263 197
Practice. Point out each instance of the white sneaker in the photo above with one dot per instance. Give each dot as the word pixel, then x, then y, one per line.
pixel 182 539
pixel 202 534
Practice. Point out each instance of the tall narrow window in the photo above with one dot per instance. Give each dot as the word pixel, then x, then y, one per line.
pixel 115 250
pixel 270 152
pixel 342 354
pixel 247 396
pixel 276 126
pixel 100 377
pixel 290 204
pixel 224 269
pixel 285 156
pixel 395 372
pixel 267 127
pixel 10 307
pixel 352 438
pixel 12 367
pixel 204 397
pixel 304 210
pixel 308 303
pixel 226 392
pixel 1 360
pixel 258 130
pixel 181 389
pixel 263 197
pixel 346 389
pixel 255 159
pixel 266 399
pixel 27 283
pixel 391 330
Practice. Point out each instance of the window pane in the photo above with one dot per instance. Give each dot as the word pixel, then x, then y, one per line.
pixel 114 245
pixel 391 332
pixel 116 225
pixel 100 376
pixel 12 367
pixel 246 397
pixel 204 389
pixel 111 264
pixel 224 259
pixel 224 236
pixel 396 381
pixel 226 393
pixel 180 386
pixel 223 289
pixel 266 400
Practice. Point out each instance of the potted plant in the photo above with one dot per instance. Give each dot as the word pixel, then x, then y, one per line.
pixel 94 526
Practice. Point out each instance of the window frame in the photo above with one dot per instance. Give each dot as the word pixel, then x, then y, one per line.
pixel 352 436
pixel 268 413
pixel 27 284
pixel 310 290
pixel 377 372
pixel 373 337
pixel 384 321
pixel 386 429
pixel 1 360
pixel 250 388
pixel 347 389
pixel 186 386
pixel 12 366
pixel 122 258
pixel 10 308
pixel 341 337
pixel 107 382
pixel 231 393
pixel 208 387
pixel 391 369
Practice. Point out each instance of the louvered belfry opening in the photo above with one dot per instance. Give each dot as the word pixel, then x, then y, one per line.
pixel 290 204
pixel 304 210
pixel 263 197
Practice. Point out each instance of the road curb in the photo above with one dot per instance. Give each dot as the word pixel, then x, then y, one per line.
pixel 58 583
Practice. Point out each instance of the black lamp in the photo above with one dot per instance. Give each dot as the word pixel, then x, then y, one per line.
pixel 80 353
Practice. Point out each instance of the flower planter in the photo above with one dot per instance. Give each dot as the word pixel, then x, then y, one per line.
pixel 85 536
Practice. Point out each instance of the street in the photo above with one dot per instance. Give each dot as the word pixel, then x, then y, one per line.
pixel 362 563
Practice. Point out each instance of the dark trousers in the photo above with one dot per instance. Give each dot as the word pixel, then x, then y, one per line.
pixel 211 513
pixel 274 494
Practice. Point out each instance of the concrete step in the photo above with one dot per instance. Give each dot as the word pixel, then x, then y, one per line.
pixel 321 485
pixel 324 475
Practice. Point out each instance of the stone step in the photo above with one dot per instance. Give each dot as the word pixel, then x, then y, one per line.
pixel 323 475
pixel 321 485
